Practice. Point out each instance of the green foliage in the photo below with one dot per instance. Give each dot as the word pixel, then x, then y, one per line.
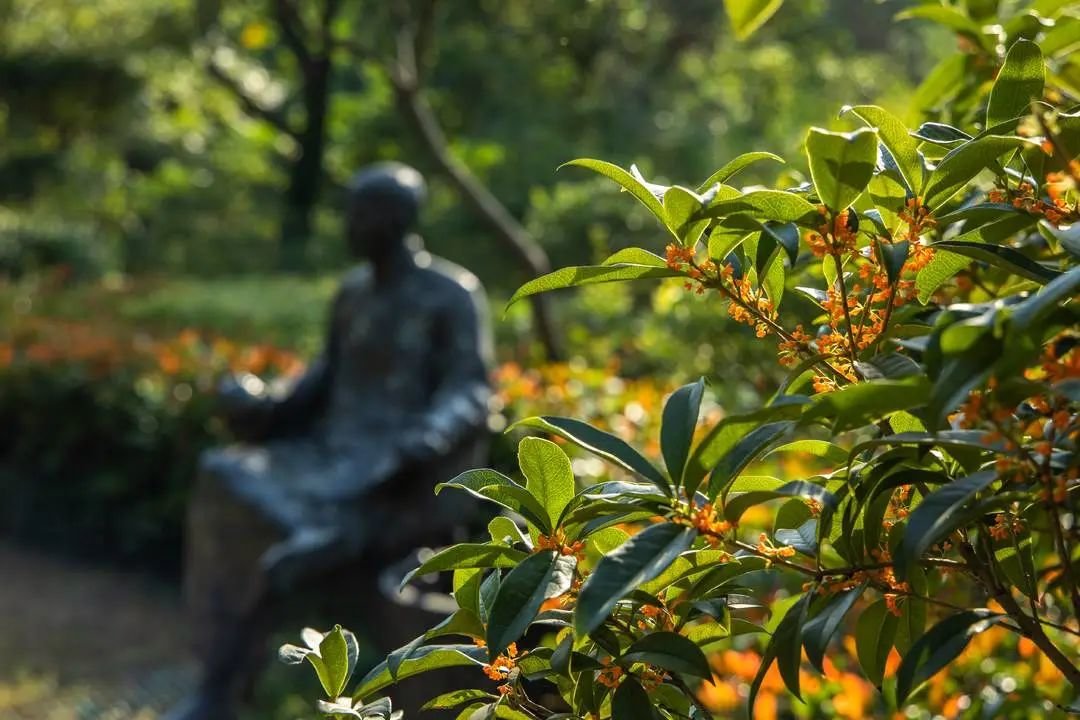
pixel 937 402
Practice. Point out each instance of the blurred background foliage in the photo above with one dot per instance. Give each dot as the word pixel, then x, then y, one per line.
pixel 171 177
pixel 171 174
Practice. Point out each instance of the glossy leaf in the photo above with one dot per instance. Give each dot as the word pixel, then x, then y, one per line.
pixel 942 644
pixel 841 164
pixel 1019 81
pixel 677 429
pixel 894 136
pixel 638 560
pixel 427 658
pixel 548 475
pixel 820 629
pixel 936 516
pixel 670 651
pixel 627 181
pixel 1000 256
pixel 590 275
pixel 746 16
pixel 520 596
pixel 468 555
pixel 874 633
pixel 631 702
pixel 962 164
pixel 732 167
pixel 600 443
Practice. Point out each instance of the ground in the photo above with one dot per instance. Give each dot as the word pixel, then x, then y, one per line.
pixel 65 658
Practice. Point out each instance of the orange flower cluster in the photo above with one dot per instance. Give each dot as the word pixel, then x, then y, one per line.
pixel 678 256
pixel 610 675
pixel 103 350
pixel 755 305
pixel 500 669
pixel 651 678
pixel 1005 526
pixel 1056 211
pixel 557 542
pixel 766 548
pixel 789 349
pixel 836 238
pixel 655 618
pixel 707 522
pixel 918 219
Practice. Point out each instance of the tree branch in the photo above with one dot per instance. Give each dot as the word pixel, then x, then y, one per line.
pixel 405 77
pixel 251 106
pixel 292 32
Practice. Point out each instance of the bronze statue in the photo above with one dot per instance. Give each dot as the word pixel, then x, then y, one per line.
pixel 341 468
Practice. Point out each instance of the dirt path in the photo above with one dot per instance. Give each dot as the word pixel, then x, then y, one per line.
pixel 83 643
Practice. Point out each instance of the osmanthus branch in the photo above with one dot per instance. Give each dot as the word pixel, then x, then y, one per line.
pixel 717 284
pixel 844 301
pixel 1026 625
pixel 1046 478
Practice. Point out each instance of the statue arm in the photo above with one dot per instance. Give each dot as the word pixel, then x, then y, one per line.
pixel 459 405
pixel 256 417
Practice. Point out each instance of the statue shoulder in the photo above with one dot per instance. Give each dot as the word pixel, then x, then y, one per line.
pixel 360 278
pixel 452 279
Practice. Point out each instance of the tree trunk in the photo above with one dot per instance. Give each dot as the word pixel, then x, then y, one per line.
pixel 305 175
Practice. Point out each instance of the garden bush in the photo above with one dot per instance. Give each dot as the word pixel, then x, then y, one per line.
pixel 926 518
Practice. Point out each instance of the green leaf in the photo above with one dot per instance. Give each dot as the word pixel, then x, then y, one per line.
pixel 635 256
pixel 946 264
pixel 631 702
pixel 874 633
pixel 942 644
pixel 589 275
pixel 748 449
pixel 941 83
pixel 819 631
pixel 521 593
pixel 827 451
pixel 501 490
pixel 339 661
pixel 936 516
pixel 893 256
pixel 468 555
pixel 865 403
pixel 965 162
pixel 638 560
pixel 548 475
pixel 785 648
pixel 1019 81
pixel 894 136
pixel 746 16
pixel 454 698
pixel 627 181
pixel 734 166
pixel 677 429
pixel 429 657
pixel 670 651
pixel 841 164
pixel 683 211
pixel 950 17
pixel 751 490
pixel 1001 256
pixel 599 443
pixel 726 434
pixel 776 205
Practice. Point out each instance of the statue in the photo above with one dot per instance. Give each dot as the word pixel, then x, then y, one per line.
pixel 343 466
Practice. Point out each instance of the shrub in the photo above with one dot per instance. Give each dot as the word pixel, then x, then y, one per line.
pixel 932 395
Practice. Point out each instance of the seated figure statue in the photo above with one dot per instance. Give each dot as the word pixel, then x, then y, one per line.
pixel 342 467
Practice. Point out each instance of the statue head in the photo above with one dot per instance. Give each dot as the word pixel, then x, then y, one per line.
pixel 383 205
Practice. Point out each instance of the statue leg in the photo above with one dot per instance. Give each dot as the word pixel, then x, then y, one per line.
pixel 226 591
